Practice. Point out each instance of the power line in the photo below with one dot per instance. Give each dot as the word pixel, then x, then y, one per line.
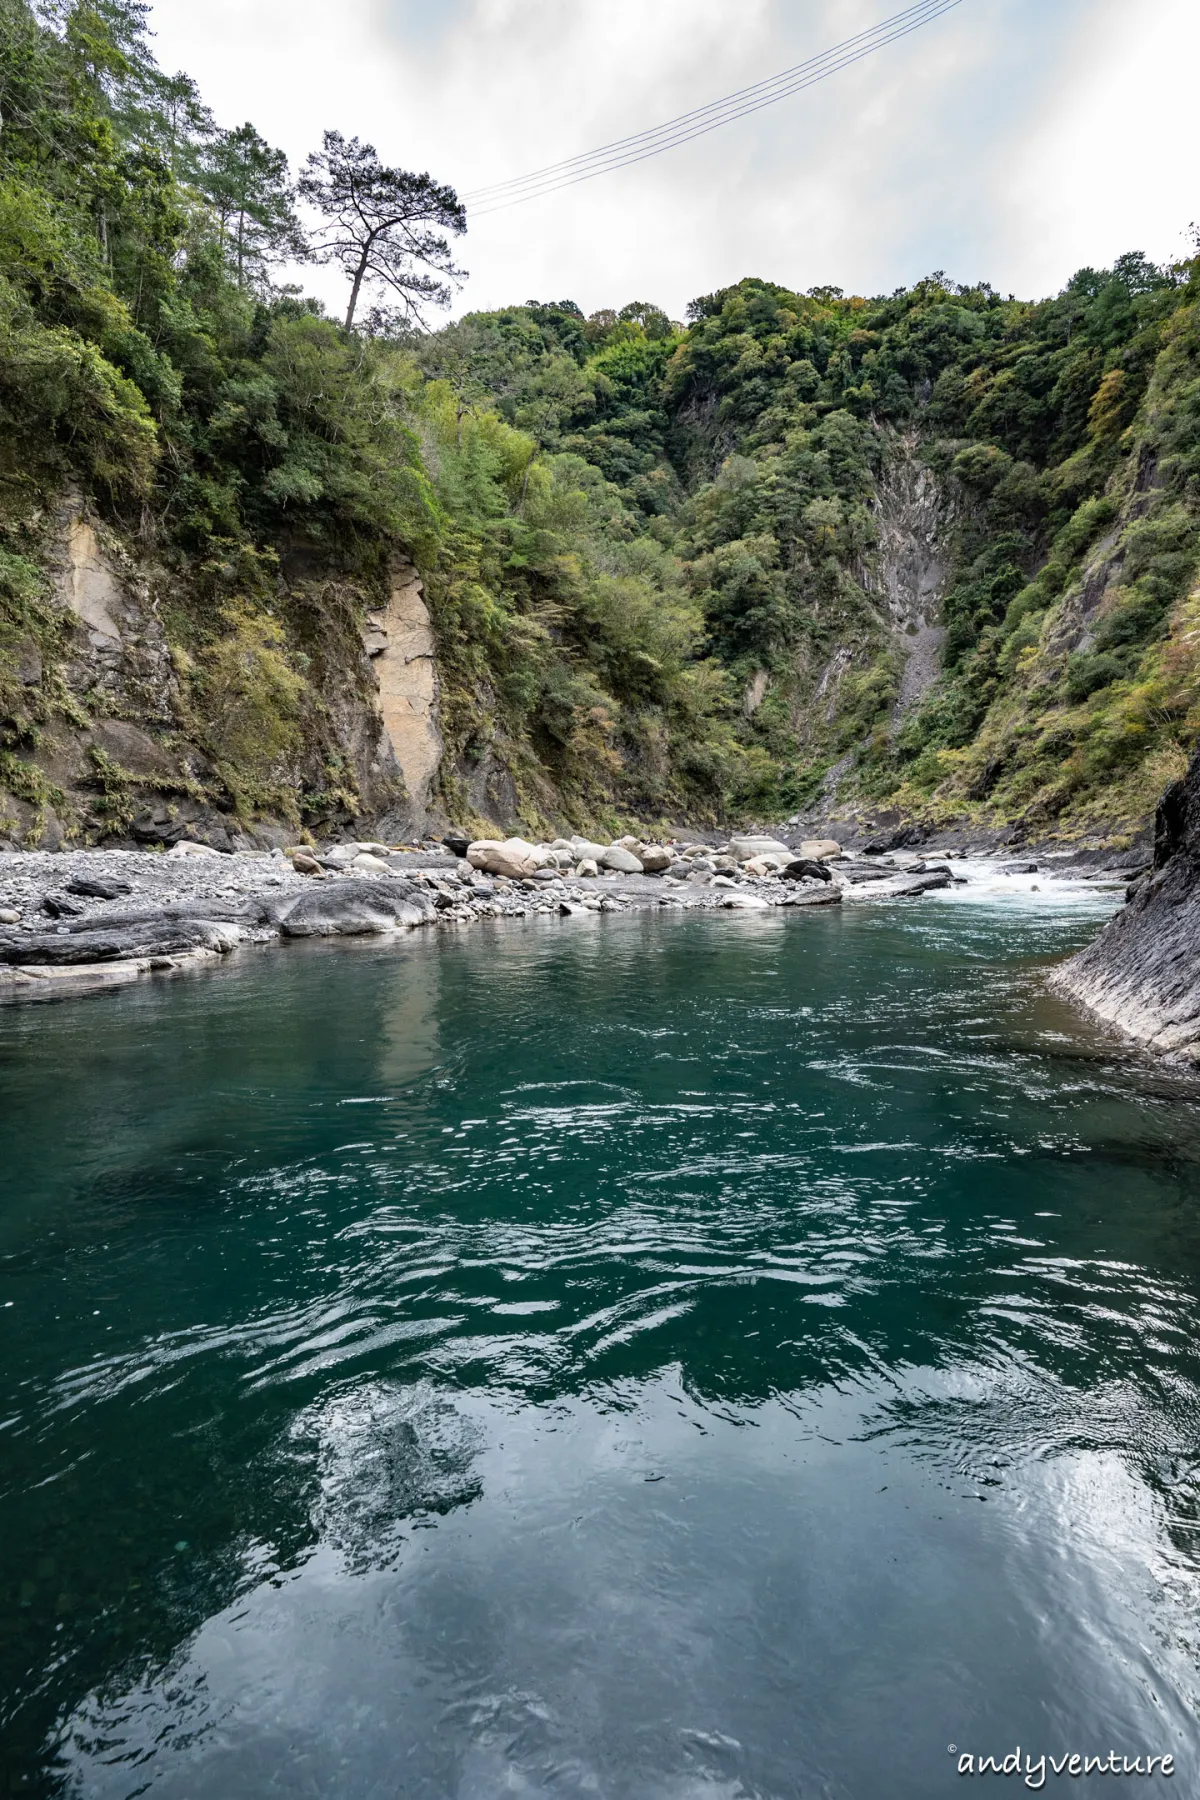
pixel 913 15
pixel 701 120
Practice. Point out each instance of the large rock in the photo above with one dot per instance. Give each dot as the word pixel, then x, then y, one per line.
pixel 743 849
pixel 186 847
pixel 819 849
pixel 401 862
pixel 355 908
pixel 586 851
pixel 654 859
pixel 512 857
pixel 115 940
pixel 622 860
pixel 92 887
pixel 900 887
pixel 1142 973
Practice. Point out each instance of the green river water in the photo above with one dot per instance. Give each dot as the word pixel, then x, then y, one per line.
pixel 634 1358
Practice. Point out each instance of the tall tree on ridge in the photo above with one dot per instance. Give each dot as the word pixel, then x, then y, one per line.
pixel 248 185
pixel 381 224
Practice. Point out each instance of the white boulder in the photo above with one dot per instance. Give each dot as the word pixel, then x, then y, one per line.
pixel 584 848
pixel 744 848
pixel 654 859
pixel 622 860
pixel 513 857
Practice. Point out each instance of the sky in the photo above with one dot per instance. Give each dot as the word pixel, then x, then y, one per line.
pixel 1011 141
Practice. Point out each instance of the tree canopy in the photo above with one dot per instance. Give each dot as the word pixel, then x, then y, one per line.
pixel 382 226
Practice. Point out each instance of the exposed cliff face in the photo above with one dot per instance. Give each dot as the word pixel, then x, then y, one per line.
pixel 1142 973
pixel 398 638
pixel 913 517
pixel 148 719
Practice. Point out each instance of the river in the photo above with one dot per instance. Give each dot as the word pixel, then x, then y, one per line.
pixel 646 1358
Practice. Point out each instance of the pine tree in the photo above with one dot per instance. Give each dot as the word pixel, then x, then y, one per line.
pixel 377 224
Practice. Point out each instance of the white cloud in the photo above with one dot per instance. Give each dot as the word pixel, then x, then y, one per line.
pixel 1010 140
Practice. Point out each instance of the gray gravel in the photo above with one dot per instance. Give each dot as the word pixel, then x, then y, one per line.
pixel 169 911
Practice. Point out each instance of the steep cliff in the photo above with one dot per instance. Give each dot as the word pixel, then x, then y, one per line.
pixel 1142 973
pixel 140 717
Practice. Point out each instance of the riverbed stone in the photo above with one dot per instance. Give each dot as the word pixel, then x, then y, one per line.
pixel 743 849
pixel 654 858
pixel 91 887
pixel 355 908
pixel 113 941
pixel 512 857
pixel 622 860
pixel 187 847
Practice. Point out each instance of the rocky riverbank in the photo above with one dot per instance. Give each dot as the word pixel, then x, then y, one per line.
pixel 1142 974
pixel 77 921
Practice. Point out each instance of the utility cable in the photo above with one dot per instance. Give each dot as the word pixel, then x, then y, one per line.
pixel 641 145
pixel 913 15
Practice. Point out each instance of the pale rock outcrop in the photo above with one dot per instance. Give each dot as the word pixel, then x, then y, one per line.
pixel 399 640
pixel 88 585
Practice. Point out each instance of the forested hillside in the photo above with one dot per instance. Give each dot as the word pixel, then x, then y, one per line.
pixel 935 551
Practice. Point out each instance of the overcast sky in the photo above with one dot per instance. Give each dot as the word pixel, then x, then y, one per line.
pixel 1010 140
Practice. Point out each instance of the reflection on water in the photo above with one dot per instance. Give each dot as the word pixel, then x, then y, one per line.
pixel 688 1357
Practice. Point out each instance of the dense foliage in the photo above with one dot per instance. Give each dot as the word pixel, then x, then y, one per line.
pixel 652 549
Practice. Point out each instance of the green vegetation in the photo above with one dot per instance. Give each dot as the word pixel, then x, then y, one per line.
pixel 652 551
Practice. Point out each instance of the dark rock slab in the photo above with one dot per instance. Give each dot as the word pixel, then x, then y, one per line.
pixel 112 942
pixel 1142 973
pixel 856 876
pixel 803 868
pixel 353 908
pixel 58 906
pixel 170 913
pixel 92 887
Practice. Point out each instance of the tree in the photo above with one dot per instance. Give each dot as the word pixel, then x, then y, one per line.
pixel 183 123
pixel 380 224
pixel 248 185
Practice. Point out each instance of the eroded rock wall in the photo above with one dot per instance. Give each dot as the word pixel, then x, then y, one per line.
pixel 398 638
pixel 911 567
pixel 128 739
pixel 1142 974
